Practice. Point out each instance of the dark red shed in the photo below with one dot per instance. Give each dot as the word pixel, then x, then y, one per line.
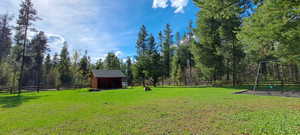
pixel 107 79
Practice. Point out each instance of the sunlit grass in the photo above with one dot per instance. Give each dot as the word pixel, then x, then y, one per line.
pixel 161 111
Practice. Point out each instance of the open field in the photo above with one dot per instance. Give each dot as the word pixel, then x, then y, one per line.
pixel 161 111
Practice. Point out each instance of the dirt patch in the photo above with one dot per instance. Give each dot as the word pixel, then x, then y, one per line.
pixel 271 93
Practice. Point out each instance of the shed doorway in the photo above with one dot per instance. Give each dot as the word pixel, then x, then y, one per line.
pixel 109 83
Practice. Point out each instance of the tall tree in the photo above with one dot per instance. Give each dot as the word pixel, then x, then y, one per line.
pixel 47 69
pixel 141 59
pixel 152 72
pixel 206 55
pixel 99 64
pixel 48 64
pixel 112 62
pixel 39 48
pixel 75 69
pixel 64 66
pixel 129 71
pixel 218 23
pixel 180 63
pixel 166 50
pixel 140 43
pixel 27 15
pixel 5 36
pixel 55 60
pixel 190 30
pixel 146 64
pixel 231 48
pixel 177 38
pixel 84 67
pixel 278 37
pixel 53 77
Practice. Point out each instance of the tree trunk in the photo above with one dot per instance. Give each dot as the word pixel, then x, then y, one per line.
pixel 23 56
pixel 296 72
pixel 278 72
pixel 227 71
pixel 233 63
pixel 38 80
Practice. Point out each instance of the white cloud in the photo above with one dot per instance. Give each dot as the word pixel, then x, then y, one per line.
pixel 160 3
pixel 82 23
pixel 55 42
pixel 178 4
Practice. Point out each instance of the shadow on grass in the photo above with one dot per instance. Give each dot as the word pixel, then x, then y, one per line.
pixel 15 101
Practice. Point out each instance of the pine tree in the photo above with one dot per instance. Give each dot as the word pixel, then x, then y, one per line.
pixel 64 66
pixel 141 58
pixel 84 67
pixel 278 37
pixel 48 64
pixel 140 43
pixel 129 71
pixel 27 15
pixel 180 63
pixel 154 61
pixel 55 60
pixel 47 69
pixel 166 50
pixel 206 55
pixel 177 38
pixel 99 65
pixel 112 62
pixel 39 48
pixel 5 36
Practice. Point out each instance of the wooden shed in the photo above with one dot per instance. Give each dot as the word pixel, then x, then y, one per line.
pixel 107 79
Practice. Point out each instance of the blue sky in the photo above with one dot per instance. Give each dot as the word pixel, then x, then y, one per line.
pixel 102 26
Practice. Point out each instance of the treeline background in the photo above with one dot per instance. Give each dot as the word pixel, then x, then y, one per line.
pixel 231 43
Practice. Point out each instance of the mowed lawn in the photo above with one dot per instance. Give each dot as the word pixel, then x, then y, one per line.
pixel 207 111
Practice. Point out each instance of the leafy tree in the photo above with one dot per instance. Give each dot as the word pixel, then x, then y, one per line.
pixel 112 62
pixel 100 64
pixel 76 73
pixel 27 15
pixel 180 63
pixel 84 67
pixel 64 66
pixel 218 23
pixel 273 31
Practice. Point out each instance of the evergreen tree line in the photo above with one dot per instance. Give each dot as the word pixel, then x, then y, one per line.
pixel 229 41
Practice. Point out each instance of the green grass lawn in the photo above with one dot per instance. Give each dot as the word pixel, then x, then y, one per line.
pixel 175 111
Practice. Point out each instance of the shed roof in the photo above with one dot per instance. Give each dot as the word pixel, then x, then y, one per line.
pixel 108 73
